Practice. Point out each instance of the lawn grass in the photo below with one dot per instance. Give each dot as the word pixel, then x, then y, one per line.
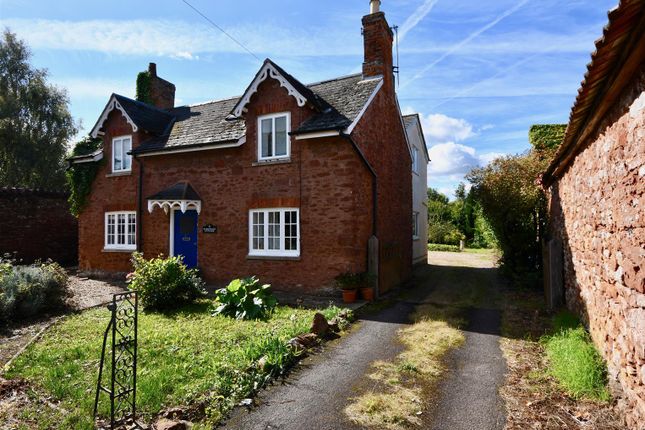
pixel 574 361
pixel 185 358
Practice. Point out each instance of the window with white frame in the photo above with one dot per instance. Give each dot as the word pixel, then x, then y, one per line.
pixel 121 230
pixel 415 225
pixel 273 136
pixel 121 160
pixel 274 232
pixel 415 160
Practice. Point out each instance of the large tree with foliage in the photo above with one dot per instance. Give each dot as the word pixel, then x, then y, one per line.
pixel 35 122
pixel 513 201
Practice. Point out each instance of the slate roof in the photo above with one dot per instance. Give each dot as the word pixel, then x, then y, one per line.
pixel 339 102
pixel 144 115
pixel 178 191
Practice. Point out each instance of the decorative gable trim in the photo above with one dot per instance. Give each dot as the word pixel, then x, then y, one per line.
pixel 267 71
pixel 111 105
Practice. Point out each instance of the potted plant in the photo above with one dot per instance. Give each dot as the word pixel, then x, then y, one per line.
pixel 367 286
pixel 347 283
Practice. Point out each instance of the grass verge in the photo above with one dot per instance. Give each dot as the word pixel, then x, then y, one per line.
pixel 574 361
pixel 396 398
pixel 443 248
pixel 186 358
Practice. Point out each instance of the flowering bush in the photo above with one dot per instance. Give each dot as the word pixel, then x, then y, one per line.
pixel 27 290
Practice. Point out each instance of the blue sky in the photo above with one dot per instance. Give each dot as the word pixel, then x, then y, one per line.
pixel 479 72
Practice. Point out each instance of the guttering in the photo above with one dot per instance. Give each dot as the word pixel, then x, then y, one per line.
pixel 317 134
pixel 198 147
pixel 139 205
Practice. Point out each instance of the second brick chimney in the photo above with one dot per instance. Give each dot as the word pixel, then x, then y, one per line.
pixel 162 92
pixel 377 44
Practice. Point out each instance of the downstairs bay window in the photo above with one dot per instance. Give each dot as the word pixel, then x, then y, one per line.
pixel 274 232
pixel 121 231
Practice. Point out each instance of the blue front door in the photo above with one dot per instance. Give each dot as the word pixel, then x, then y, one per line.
pixel 185 236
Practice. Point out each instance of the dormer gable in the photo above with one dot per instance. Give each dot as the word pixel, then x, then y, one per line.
pixel 140 116
pixel 303 95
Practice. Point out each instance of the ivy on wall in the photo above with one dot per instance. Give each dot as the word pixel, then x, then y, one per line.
pixel 143 87
pixel 81 176
pixel 546 138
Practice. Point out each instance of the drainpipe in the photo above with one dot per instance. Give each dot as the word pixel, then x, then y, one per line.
pixel 139 205
pixel 373 248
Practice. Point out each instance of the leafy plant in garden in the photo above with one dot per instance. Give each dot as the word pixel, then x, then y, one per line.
pixel 245 299
pixel 164 283
pixel 350 280
pixel 27 290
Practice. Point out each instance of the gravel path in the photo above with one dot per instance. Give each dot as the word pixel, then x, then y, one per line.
pixel 85 293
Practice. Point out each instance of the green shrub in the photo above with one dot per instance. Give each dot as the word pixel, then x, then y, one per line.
pixel 444 233
pixel 244 299
pixel 442 247
pixel 164 283
pixel 574 361
pixel 350 280
pixel 26 291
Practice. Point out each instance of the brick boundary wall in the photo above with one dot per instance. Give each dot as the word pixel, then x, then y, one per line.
pixel 597 211
pixel 37 224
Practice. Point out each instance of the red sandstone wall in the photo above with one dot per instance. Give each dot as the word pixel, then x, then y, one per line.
pixel 597 208
pixel 324 177
pixel 387 151
pixel 110 192
pixel 37 225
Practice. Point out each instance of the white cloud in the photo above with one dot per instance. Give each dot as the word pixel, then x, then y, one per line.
pixel 416 17
pixel 179 39
pixel 439 128
pixel 451 159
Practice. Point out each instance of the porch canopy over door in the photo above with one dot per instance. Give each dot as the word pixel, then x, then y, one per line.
pixel 179 196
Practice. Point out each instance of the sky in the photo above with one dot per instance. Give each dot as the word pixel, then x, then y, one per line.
pixel 479 73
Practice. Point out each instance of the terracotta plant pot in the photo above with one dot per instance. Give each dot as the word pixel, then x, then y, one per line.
pixel 349 296
pixel 367 293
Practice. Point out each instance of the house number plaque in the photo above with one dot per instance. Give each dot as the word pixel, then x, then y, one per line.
pixel 209 228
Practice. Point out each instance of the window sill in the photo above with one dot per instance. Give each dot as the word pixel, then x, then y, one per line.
pixel 273 257
pixel 271 162
pixel 130 251
pixel 415 238
pixel 115 174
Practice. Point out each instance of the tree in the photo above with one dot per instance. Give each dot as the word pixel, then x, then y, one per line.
pixel 514 206
pixel 35 122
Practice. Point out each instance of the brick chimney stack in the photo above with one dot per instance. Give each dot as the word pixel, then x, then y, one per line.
pixel 162 92
pixel 377 44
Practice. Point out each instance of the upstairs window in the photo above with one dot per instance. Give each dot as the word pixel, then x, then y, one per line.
pixel 415 159
pixel 274 232
pixel 273 136
pixel 121 230
pixel 121 160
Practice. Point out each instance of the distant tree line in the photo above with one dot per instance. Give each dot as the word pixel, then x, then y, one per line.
pixel 449 222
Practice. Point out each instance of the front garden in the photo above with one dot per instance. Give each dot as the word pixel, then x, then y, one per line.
pixel 191 357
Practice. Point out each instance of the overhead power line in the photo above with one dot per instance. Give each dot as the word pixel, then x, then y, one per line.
pixel 222 30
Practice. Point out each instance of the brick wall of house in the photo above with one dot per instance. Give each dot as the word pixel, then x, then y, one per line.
pixel 110 192
pixel 37 225
pixel 387 151
pixel 324 178
pixel 597 208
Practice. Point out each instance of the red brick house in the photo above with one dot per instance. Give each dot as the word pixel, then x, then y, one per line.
pixel 293 183
pixel 596 187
